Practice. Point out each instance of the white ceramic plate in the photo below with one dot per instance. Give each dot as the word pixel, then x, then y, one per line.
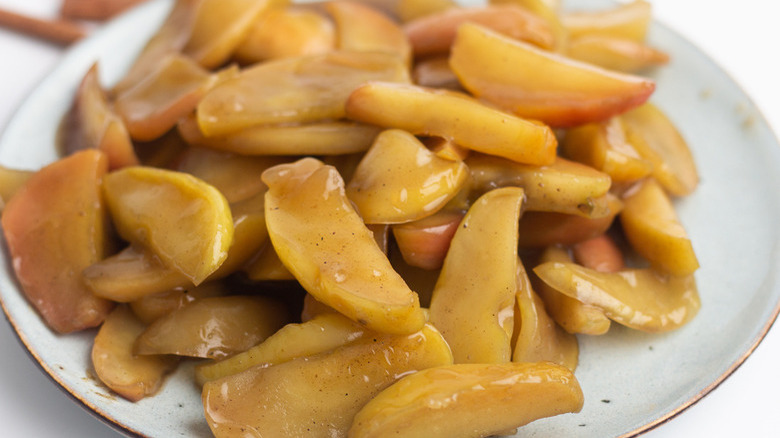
pixel 632 381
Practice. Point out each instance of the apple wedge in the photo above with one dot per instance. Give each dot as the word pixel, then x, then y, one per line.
pixel 642 299
pixel 536 84
pixel 183 220
pixel 400 180
pixel 448 114
pixel 652 227
pixel 469 400
pixel 324 243
pixel 474 298
pixel 363 28
pixel 55 226
pixel 129 375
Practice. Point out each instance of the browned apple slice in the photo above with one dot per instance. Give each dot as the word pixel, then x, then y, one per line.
pixel 322 240
pixel 318 395
pixel 434 34
pixel 619 54
pixel 630 20
pixel 536 337
pixel 92 123
pixel 131 376
pixel 424 243
pixel 293 90
pixel 554 89
pixel 219 27
pixel 153 106
pixel 473 302
pixel 642 299
pixel 152 307
pixel 469 400
pixel 400 180
pixel 571 314
pixel 435 72
pixel 448 114
pixel 281 32
pixel 604 146
pixel 185 221
pixel 214 327
pixel 55 226
pixel 600 253
pixel 652 227
pixel 318 138
pixel 658 140
pixel 362 28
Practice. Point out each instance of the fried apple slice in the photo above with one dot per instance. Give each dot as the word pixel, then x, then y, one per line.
pixel 152 307
pixel 214 327
pixel 557 90
pixel 318 395
pixel 92 123
pixel 362 28
pixel 129 375
pixel 562 187
pixel 630 20
pixel 642 299
pixel 469 400
pixel 434 34
pixel 424 243
pixel 571 314
pixel 324 243
pixel 55 226
pixel 619 54
pixel 186 222
pixel 281 32
pixel 408 10
pixel 320 334
pixel 652 227
pixel 400 180
pixel 442 113
pixel 293 90
pixel 536 337
pixel 658 141
pixel 11 180
pixel 473 301
pixel 153 106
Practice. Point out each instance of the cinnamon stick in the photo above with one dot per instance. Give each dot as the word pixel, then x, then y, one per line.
pixel 57 31
pixel 94 9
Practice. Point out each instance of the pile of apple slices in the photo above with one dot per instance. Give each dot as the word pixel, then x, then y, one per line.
pixel 332 207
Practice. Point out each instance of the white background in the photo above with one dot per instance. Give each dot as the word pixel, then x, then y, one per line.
pixel 741 36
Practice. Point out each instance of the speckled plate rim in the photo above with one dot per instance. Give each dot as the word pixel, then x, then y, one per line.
pixel 126 26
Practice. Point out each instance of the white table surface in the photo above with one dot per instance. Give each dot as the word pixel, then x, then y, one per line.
pixel 741 36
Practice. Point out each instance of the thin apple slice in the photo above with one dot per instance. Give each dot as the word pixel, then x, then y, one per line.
pixel 652 227
pixel 571 314
pixel 293 90
pixel 473 301
pixel 408 10
pixel 630 20
pixel 619 54
pixel 549 87
pixel 153 106
pixel 363 28
pixel 604 146
pixel 400 180
pixel 316 138
pixel 448 114
pixel 318 395
pixel 600 253
pixel 153 307
pixel 129 375
pixel 320 334
pixel 186 222
pixel 435 72
pixel 92 123
pixel 55 226
pixel 563 186
pixel 658 140
pixel 536 336
pixel 642 299
pixel 435 33
pixel 214 327
pixel 469 400
pixel 324 243
pixel 219 27
pixel 282 32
